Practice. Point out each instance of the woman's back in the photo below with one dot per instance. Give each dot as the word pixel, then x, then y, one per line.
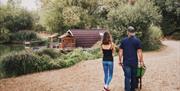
pixel 107 52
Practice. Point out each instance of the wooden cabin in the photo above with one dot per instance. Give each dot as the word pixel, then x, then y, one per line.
pixel 80 38
pixel 67 41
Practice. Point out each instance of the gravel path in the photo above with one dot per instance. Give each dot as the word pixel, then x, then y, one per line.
pixel 163 74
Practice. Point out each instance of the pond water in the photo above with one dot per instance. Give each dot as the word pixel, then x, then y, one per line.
pixel 4 49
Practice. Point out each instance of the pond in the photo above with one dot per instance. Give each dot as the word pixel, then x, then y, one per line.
pixel 4 49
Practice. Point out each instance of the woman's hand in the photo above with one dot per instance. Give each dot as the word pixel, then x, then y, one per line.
pixel 120 63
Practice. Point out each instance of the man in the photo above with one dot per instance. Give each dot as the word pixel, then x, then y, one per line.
pixel 131 50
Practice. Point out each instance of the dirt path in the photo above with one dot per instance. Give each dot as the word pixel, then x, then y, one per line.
pixel 163 74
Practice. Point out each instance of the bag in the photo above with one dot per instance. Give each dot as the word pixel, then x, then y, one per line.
pixel 140 71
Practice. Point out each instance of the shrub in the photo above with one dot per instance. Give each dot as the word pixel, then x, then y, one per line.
pixel 78 55
pixel 4 36
pixel 140 15
pixel 19 63
pixel 23 62
pixel 2 74
pixel 38 28
pixel 15 19
pixel 176 36
pixel 96 52
pixel 170 11
pixel 153 41
pixel 24 36
pixel 49 52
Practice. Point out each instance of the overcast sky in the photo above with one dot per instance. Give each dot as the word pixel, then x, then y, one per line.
pixel 28 4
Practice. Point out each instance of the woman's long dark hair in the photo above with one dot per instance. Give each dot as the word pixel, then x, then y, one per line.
pixel 106 39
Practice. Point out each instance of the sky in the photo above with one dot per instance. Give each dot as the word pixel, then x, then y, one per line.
pixel 27 4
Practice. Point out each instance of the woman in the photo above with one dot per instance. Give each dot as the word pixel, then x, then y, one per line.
pixel 108 50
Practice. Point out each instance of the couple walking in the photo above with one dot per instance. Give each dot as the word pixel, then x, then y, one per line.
pixel 131 50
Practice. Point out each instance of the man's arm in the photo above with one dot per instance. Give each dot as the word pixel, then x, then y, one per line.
pixel 120 56
pixel 140 56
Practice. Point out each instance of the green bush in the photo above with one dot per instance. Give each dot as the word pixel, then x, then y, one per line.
pixel 78 55
pixel 170 11
pixel 2 74
pixel 4 36
pixel 176 36
pixel 49 52
pixel 15 19
pixel 24 36
pixel 140 15
pixel 153 41
pixel 96 52
pixel 38 28
pixel 23 62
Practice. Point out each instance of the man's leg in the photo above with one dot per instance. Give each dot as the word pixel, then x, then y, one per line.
pixel 134 80
pixel 127 74
pixel 105 67
pixel 110 75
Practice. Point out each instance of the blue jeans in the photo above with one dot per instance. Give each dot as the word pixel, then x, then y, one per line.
pixel 131 80
pixel 108 71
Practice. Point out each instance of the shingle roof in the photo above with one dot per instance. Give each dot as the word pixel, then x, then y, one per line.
pixel 86 38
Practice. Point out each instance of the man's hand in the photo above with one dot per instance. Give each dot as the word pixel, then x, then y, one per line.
pixel 140 57
pixel 120 56
pixel 141 63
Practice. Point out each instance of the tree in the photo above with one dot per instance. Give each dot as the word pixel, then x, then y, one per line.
pixel 141 15
pixel 15 19
pixel 171 12
pixel 60 15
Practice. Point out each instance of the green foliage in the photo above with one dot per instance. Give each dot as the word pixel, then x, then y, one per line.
pixel 58 18
pixel 49 52
pixel 5 49
pixel 171 12
pixel 176 36
pixel 155 34
pixel 78 55
pixel 96 52
pixel 4 36
pixel 24 36
pixel 60 15
pixel 15 19
pixel 22 63
pixel 38 28
pixel 140 15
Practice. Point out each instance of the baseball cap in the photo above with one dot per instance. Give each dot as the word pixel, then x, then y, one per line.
pixel 131 29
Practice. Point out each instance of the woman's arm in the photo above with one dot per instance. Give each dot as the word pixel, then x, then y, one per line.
pixel 113 48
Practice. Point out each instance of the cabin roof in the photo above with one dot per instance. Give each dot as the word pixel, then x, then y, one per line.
pixel 85 37
pixel 53 35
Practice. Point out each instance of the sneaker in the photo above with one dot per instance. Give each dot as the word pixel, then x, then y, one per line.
pixel 106 89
